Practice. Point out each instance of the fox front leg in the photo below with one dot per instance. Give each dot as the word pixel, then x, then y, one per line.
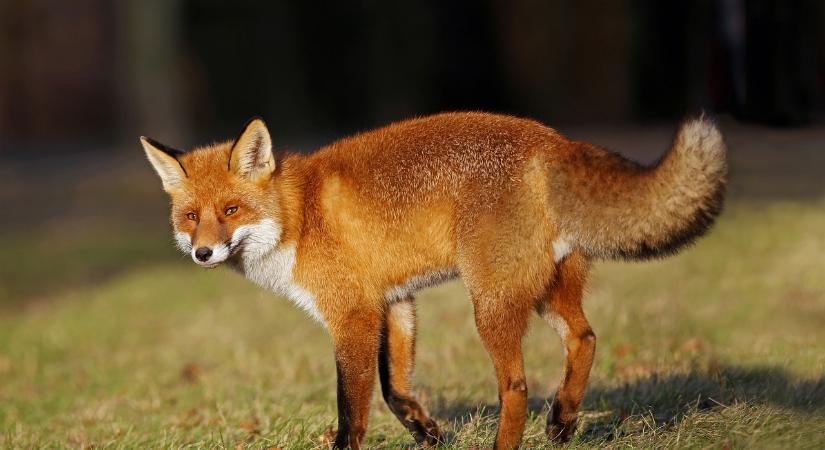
pixel 356 338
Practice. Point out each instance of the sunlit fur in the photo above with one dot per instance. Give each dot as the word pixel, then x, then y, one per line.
pixel 509 205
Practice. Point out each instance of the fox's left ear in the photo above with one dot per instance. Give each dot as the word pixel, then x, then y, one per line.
pixel 251 156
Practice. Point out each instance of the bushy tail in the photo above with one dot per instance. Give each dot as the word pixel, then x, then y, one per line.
pixel 615 208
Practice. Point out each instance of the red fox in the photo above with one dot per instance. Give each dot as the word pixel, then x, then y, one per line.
pixel 512 207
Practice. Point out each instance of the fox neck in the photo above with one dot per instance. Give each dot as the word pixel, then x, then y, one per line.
pixel 281 224
pixel 273 270
pixel 288 188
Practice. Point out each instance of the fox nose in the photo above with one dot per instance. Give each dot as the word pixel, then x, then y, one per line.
pixel 203 254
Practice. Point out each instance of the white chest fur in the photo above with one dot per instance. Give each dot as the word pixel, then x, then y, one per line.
pixel 273 271
pixel 270 265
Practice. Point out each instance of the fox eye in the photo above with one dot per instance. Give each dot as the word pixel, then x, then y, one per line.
pixel 231 210
pixel 191 216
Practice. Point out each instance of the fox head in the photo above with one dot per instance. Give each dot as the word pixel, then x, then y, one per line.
pixel 222 201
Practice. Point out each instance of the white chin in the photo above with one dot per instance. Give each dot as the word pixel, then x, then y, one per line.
pixel 209 264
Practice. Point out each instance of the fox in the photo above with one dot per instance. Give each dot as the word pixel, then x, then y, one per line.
pixel 510 206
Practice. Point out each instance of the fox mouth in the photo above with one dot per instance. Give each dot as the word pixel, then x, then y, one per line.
pixel 210 264
pixel 234 247
pixel 223 253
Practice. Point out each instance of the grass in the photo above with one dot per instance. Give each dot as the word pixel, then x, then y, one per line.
pixel 722 346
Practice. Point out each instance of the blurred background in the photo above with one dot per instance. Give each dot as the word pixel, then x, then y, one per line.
pixel 98 72
pixel 110 337
pixel 81 80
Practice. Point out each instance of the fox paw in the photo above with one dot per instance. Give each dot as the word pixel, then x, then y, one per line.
pixel 560 432
pixel 427 433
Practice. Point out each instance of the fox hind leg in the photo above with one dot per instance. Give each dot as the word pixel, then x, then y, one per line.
pixel 396 359
pixel 562 309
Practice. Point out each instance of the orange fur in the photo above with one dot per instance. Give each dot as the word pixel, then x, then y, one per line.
pixel 510 205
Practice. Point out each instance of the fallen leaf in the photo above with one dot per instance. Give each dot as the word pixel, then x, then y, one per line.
pixel 251 426
pixel 191 372
pixel 622 350
pixel 693 345
pixel 191 418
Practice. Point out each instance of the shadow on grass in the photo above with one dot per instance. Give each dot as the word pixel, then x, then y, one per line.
pixel 667 399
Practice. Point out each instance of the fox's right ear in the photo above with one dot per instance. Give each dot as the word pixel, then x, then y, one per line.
pixel 164 161
pixel 251 155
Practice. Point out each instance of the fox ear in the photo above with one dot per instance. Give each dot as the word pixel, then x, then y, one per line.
pixel 251 156
pixel 164 161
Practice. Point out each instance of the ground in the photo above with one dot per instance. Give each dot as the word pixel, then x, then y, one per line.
pixel 108 339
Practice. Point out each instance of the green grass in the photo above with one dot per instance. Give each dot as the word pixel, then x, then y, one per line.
pixel 722 346
pixel 45 262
